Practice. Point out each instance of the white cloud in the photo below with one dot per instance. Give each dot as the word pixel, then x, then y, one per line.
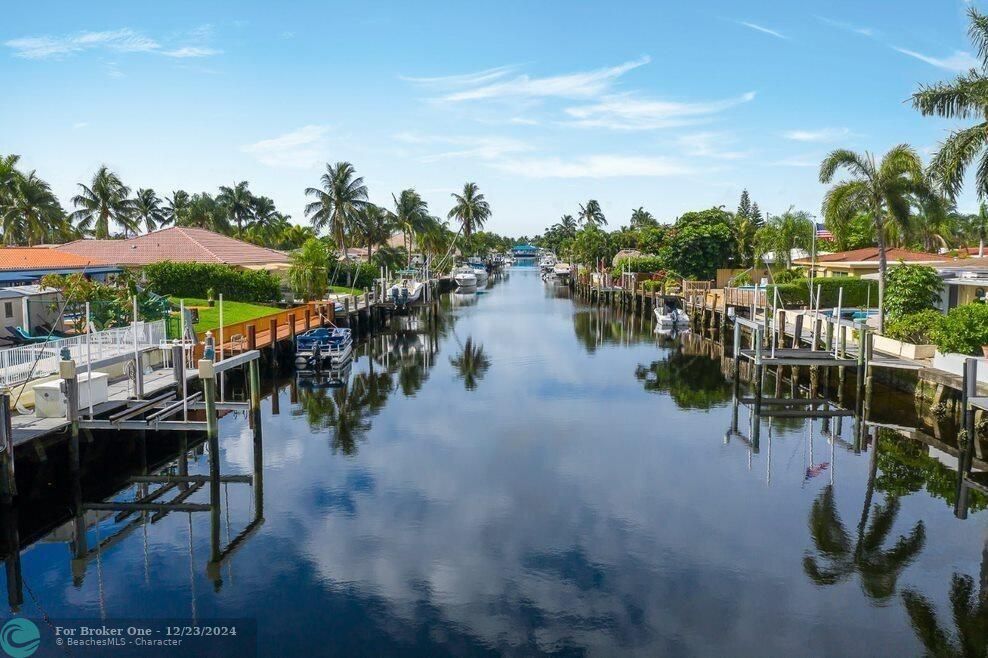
pixel 482 147
pixel 465 79
pixel 847 27
pixel 626 112
pixel 820 135
pixel 958 62
pixel 762 29
pixel 593 166
pixel 708 145
pixel 298 149
pixel 124 40
pixel 491 84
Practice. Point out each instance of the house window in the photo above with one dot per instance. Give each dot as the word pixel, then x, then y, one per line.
pixel 8 310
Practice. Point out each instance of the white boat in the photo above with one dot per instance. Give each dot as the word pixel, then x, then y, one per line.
pixel 480 272
pixel 406 291
pixel 465 277
pixel 547 262
pixel 668 314
pixel 561 269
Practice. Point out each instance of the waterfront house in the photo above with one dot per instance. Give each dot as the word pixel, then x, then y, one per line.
pixel 859 262
pixel 179 244
pixel 26 265
pixel 524 251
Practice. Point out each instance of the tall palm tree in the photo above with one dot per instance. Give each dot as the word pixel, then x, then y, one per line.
pixel 147 208
pixel 339 198
pixel 264 215
pixel 105 199
pixel 641 217
pixel 783 233
pixel 204 212
pixel 975 227
pixel 238 203
pixel 965 97
pixel 308 274
pixel 30 213
pixel 470 209
pixel 884 190
pixel 567 225
pixel 8 176
pixel 176 206
pixel 592 214
pixel 374 226
pixel 411 215
pixel 471 364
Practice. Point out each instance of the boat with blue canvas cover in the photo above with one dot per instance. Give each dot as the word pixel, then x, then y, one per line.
pixel 324 344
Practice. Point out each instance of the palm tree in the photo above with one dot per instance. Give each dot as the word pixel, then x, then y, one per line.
pixel 264 215
pixel 470 209
pixel 641 217
pixel 374 226
pixel 592 214
pixel 471 364
pixel 411 215
pixel 885 191
pixel 293 236
pixel 176 207
pixel 104 200
pixel 8 175
pixel 238 203
pixel 308 274
pixel 30 213
pixel 204 212
pixel 567 225
pixel 783 233
pixel 963 98
pixel 147 208
pixel 341 196
pixel 975 227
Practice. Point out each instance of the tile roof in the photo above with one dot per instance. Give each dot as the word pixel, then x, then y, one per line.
pixel 43 258
pixel 179 244
pixel 868 254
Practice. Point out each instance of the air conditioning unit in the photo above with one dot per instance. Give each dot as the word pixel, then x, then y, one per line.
pixel 49 402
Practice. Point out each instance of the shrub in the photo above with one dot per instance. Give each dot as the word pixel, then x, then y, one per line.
pixel 359 275
pixel 653 286
pixel 857 292
pixel 742 279
pixel 911 289
pixel 787 276
pixel 964 330
pixel 645 263
pixel 195 280
pixel 918 328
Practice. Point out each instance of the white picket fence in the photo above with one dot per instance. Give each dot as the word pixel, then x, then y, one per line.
pixel 19 364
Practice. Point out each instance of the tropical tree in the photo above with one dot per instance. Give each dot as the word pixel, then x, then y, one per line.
pixel 783 233
pixel 29 212
pixel 147 209
pixel 204 212
pixel 411 215
pixel 975 227
pixel 969 610
pixel 341 195
pixel 104 200
pixel 264 216
pixel 308 273
pixel 470 209
pixel 293 236
pixel 747 221
pixel 885 191
pixel 238 203
pixel 374 227
pixel 641 217
pixel 965 97
pixel 176 207
pixel 592 214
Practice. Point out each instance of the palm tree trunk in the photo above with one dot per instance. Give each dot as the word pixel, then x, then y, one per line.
pixel 981 246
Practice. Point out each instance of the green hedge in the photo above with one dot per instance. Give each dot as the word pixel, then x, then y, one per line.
pixel 964 330
pixel 196 280
pixel 359 275
pixel 918 328
pixel 856 292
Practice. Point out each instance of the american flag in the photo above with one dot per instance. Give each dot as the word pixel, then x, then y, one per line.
pixel 814 471
pixel 823 233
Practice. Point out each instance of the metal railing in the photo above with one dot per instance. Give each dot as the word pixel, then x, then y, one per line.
pixel 18 364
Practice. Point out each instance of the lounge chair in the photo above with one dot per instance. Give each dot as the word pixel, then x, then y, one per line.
pixel 238 343
pixel 28 338
pixel 45 329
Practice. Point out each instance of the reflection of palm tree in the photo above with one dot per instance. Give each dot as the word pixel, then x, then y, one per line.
pixel 970 613
pixel 692 381
pixel 351 418
pixel 878 568
pixel 471 364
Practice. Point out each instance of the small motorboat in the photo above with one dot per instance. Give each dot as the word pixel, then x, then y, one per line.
pixel 465 277
pixel 561 270
pixel 669 314
pixel 479 270
pixel 406 291
pixel 324 344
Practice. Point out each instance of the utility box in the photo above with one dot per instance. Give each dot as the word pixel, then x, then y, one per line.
pixel 49 401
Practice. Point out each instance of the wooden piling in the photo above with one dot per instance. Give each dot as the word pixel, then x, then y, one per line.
pixel 8 485
pixel 207 374
pixel 251 337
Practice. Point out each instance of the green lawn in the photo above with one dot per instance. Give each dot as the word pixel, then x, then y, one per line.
pixel 209 318
pixel 343 290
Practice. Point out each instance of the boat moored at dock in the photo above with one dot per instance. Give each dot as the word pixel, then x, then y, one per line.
pixel 465 277
pixel 324 344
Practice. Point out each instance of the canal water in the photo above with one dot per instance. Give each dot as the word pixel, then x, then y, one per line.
pixel 524 474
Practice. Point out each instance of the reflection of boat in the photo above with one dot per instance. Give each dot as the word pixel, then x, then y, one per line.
pixel 464 297
pixel 335 377
pixel 561 270
pixel 668 314
pixel 465 277
pixel 406 291
pixel 316 346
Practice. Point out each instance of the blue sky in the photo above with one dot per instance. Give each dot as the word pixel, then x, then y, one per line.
pixel 674 106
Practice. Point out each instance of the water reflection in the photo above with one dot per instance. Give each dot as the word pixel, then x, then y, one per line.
pixel 969 614
pixel 471 363
pixel 687 374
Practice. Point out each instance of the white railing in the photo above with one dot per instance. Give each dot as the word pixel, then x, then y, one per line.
pixel 24 362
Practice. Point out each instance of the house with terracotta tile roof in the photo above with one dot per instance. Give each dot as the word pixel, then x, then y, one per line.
pixel 26 265
pixel 181 245
pixel 859 262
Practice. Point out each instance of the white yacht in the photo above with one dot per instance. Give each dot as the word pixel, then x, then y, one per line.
pixel 479 271
pixel 561 270
pixel 406 291
pixel 669 314
pixel 465 277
